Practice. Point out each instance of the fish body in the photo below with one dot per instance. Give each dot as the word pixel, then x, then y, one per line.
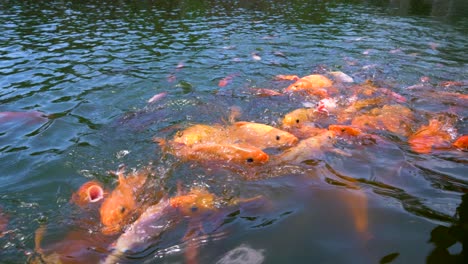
pixel 430 137
pixel 397 119
pixel 236 153
pixel 142 233
pixel 201 133
pixel 315 84
pixel 309 148
pixel 197 200
pixel 261 136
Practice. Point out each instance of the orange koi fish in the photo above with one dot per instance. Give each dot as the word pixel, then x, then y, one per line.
pixel 298 117
pixel 309 148
pixel 197 200
pixel 201 133
pixel 429 137
pixel 235 153
pixel 89 192
pixel 314 84
pixel 461 142
pixel 261 136
pixel 121 206
pixel 227 80
pixel 397 119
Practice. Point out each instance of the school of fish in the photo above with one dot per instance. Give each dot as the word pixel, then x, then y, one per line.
pixel 336 110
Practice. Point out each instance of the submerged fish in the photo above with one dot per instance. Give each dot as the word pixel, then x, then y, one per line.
pixel 142 233
pixel 78 246
pixel 430 137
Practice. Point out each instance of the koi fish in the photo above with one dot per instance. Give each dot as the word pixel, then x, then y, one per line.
pixel 265 92
pixel 154 221
pixel 461 142
pixel 261 136
pixel 77 247
pixel 326 105
pixel 29 117
pixel 309 148
pixel 429 137
pixel 3 222
pixel 157 97
pixel 314 84
pixel 227 80
pixel 281 77
pixel 122 205
pixel 201 133
pixel 235 153
pixel 198 199
pixel 341 77
pixel 354 133
pixel 90 192
pixel 397 119
pixel 298 117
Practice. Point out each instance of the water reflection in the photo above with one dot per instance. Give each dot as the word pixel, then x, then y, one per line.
pixel 444 238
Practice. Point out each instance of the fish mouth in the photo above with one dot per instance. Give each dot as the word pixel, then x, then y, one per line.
pixel 95 193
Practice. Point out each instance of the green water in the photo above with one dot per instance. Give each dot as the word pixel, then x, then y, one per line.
pixel 91 67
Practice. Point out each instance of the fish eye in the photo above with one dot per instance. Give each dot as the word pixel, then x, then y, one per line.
pixel 278 137
pixel 250 160
pixel 122 210
pixel 297 121
pixel 343 130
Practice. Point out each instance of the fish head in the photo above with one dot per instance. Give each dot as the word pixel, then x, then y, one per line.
pixel 298 85
pixel 296 117
pixel 89 192
pixel 256 157
pixel 280 138
pixel 117 209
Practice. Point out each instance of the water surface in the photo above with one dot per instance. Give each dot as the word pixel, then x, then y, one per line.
pixel 81 72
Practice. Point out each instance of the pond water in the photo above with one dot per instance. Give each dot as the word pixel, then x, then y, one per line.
pixel 76 77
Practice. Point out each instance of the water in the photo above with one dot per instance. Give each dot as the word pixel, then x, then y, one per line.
pixel 91 66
